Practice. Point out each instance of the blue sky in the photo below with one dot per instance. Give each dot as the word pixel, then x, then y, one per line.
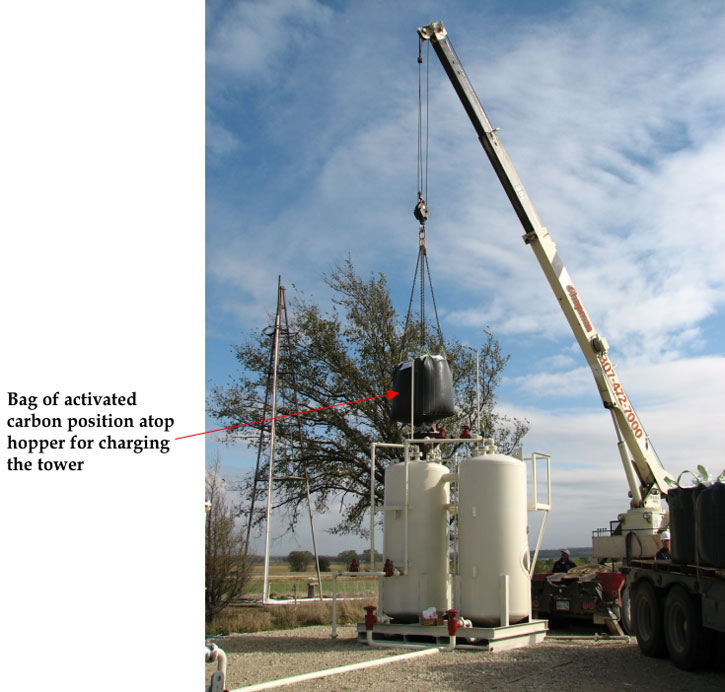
pixel 614 116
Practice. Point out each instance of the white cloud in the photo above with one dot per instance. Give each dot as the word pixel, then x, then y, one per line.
pixel 680 403
pixel 248 40
pixel 219 140
pixel 637 220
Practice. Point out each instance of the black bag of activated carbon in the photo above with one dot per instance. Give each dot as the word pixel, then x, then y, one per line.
pixel 433 390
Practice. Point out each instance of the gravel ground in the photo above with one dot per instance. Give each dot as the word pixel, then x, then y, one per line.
pixel 593 666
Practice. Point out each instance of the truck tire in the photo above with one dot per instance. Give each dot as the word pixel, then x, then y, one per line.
pixel 688 642
pixel 625 611
pixel 647 620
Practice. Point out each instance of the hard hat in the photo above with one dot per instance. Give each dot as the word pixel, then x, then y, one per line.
pixel 565 550
pixel 665 535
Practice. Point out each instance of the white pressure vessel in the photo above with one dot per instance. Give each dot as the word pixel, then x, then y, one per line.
pixel 492 540
pixel 427 581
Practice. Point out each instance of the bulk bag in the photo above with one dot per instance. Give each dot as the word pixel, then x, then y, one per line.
pixel 682 523
pixel 710 523
pixel 433 390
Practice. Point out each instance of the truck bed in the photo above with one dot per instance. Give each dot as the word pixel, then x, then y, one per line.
pixel 706 582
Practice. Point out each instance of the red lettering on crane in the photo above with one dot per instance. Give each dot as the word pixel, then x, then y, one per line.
pixel 579 308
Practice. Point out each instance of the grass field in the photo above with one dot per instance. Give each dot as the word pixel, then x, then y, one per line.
pixel 246 615
pixel 285 584
pixel 353 592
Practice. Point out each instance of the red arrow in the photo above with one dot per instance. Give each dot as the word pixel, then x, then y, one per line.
pixel 390 395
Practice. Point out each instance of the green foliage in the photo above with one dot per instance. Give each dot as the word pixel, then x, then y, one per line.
pixel 544 566
pixel 347 556
pixel 365 557
pixel 324 563
pixel 347 353
pixel 299 560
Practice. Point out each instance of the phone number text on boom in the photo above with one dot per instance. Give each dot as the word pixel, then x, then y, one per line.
pixel 621 396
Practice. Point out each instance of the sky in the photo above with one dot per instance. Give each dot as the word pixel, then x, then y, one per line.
pixel 613 114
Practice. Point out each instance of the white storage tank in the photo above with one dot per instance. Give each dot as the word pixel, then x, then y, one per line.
pixel 492 539
pixel 427 581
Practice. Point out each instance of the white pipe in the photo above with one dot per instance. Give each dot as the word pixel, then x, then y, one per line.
pixel 372 508
pixel 590 637
pixel 374 445
pixel 456 536
pixel 380 595
pixel 412 399
pixel 335 575
pixel 333 631
pixel 379 644
pixel 214 653
pixel 478 394
pixel 405 511
pixel 222 662
pixel 335 671
pixel 548 480
pixel 538 544
pixel 504 600
pixel 444 440
pixel 391 645
pixel 270 481
pixel 534 495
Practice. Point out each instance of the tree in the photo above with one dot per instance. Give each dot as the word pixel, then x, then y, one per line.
pixel 365 556
pixel 347 353
pixel 227 567
pixel 346 557
pixel 299 560
pixel 325 563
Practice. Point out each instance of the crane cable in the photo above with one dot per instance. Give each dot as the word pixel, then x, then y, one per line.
pixel 423 160
pixel 421 212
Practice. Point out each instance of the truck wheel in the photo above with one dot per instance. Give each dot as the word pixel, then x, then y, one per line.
pixel 688 642
pixel 625 611
pixel 647 620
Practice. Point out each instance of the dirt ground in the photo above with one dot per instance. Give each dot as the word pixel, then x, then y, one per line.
pixel 556 665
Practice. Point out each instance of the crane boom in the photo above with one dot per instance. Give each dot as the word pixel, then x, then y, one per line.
pixel 646 476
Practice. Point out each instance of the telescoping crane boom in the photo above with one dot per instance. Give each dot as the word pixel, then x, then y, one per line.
pixel 633 534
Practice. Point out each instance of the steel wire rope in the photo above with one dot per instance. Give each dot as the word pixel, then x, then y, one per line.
pixel 422 182
pixel 435 308
pixel 423 339
pixel 427 111
pixel 422 185
pixel 419 182
pixel 410 303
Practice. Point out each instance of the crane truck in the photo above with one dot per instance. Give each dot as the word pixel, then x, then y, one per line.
pixel 674 608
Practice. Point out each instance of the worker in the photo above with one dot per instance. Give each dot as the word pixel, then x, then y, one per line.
pixel 664 552
pixel 563 564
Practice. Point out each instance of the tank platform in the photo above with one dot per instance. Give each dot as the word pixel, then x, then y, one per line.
pixel 478 638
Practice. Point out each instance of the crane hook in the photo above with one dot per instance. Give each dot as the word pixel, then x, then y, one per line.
pixel 421 210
